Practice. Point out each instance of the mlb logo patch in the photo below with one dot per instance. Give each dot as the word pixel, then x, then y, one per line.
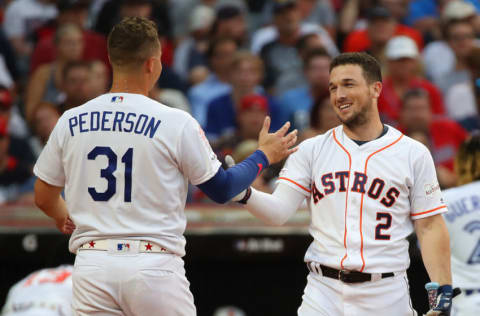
pixel 117 99
pixel 122 247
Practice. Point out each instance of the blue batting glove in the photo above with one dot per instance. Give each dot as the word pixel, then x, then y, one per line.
pixel 443 303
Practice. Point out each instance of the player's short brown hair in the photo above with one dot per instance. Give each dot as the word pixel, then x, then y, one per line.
pixel 370 66
pixel 467 161
pixel 132 41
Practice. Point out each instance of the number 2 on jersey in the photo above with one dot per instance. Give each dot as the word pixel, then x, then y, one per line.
pixel 472 227
pixel 107 173
pixel 386 225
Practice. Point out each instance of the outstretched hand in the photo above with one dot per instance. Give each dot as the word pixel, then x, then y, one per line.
pixel 276 146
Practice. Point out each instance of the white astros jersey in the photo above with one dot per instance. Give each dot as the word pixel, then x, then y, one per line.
pixel 463 222
pixel 46 292
pixel 363 199
pixel 125 161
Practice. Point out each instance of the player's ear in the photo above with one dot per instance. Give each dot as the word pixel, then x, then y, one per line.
pixel 376 89
pixel 149 65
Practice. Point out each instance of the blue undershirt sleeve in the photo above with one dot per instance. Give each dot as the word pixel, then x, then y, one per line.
pixel 226 184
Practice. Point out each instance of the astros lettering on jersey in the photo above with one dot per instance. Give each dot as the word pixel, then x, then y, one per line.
pixel 363 198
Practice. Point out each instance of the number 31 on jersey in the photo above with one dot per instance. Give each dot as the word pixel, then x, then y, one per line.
pixel 107 173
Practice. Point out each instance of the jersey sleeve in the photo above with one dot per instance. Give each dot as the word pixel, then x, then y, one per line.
pixel 49 166
pixel 196 158
pixel 297 172
pixel 425 195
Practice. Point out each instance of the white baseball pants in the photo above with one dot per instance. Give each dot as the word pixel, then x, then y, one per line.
pixel 329 297
pixel 130 284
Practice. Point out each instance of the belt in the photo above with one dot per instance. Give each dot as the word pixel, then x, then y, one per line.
pixel 346 276
pixel 124 246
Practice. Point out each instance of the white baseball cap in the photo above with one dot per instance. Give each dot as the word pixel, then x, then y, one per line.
pixel 401 47
pixel 458 9
pixel 201 17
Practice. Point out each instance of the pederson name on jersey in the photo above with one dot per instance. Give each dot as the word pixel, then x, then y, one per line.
pixel 113 121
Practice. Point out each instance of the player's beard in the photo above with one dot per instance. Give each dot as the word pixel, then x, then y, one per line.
pixel 359 118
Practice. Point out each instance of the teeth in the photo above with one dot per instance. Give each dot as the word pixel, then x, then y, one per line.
pixel 344 106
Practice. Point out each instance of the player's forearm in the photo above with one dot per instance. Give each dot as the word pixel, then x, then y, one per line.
pixel 228 183
pixel 434 241
pixel 276 208
pixel 49 200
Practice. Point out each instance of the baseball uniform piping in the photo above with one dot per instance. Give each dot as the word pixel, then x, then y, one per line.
pixel 299 185
pixel 429 211
pixel 346 196
pixel 361 200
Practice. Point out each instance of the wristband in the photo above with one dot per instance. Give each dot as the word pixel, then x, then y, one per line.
pixel 246 197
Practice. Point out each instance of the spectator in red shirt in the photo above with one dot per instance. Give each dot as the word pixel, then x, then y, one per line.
pixel 444 136
pixel 381 27
pixel 70 12
pixel 402 67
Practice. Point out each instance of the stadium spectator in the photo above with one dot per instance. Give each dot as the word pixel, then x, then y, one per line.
pixel 322 118
pixel 22 18
pixel 423 15
pixel 10 111
pixel 242 140
pixel 15 173
pixel 251 112
pixel 45 83
pixel 245 77
pixel 219 54
pixel 461 39
pixel 9 73
pixel 307 43
pixel 380 28
pixel 99 79
pixel 230 21
pixel 190 54
pixel 75 85
pixel 311 11
pixel 439 57
pixel 295 104
pixel 463 99
pixel 444 135
pixel 283 66
pixel 288 23
pixel 70 12
pixel 44 119
pixel 180 10
pixel 113 11
pixel 402 68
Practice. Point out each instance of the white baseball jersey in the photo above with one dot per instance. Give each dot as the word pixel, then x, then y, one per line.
pixel 363 199
pixel 44 292
pixel 125 161
pixel 463 222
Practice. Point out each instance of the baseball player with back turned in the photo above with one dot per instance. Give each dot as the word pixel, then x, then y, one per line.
pixel 463 223
pixel 367 187
pixel 124 161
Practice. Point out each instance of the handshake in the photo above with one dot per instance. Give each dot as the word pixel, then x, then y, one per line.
pixel 276 147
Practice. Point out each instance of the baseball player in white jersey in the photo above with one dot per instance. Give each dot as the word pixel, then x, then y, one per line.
pixel 124 161
pixel 463 222
pixel 367 187
pixel 47 292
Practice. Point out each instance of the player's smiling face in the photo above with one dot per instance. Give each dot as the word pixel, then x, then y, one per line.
pixel 350 94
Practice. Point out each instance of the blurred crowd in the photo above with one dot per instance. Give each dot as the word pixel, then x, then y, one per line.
pixel 232 62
